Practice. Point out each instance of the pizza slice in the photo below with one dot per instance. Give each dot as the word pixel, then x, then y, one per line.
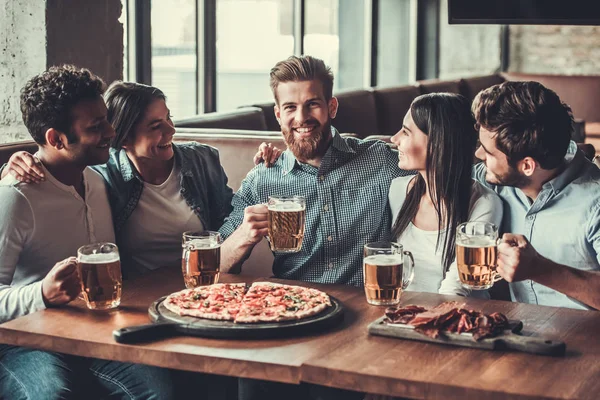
pixel 272 302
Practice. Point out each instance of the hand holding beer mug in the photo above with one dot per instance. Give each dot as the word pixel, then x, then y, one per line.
pixel 201 259
pixel 386 273
pixel 476 254
pixel 287 216
pixel 99 268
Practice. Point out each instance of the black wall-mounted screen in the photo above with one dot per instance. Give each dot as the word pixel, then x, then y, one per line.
pixel 529 12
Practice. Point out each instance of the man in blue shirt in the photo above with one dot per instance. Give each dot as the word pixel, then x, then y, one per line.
pixel 551 195
pixel 345 182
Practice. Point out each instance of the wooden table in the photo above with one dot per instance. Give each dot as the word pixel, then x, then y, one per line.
pixel 345 357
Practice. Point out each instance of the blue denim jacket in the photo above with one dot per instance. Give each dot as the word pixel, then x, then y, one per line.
pixel 203 184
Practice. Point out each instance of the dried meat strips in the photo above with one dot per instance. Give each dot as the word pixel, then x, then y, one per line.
pixel 448 317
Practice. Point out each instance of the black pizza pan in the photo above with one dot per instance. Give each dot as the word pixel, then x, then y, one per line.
pixel 166 323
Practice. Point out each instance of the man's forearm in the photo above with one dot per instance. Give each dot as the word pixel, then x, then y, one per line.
pixel 234 251
pixel 583 286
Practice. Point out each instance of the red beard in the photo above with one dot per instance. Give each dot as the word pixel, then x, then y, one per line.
pixel 310 147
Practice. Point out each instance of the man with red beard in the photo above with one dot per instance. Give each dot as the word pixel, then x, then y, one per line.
pixel 345 182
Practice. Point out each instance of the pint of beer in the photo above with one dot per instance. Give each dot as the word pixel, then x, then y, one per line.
pixel 386 272
pixel 201 258
pixel 476 254
pixel 99 268
pixel 287 216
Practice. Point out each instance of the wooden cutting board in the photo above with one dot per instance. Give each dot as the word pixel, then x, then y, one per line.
pixel 509 339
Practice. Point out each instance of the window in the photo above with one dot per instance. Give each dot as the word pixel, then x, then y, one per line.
pixel 174 53
pixel 252 35
pixel 215 55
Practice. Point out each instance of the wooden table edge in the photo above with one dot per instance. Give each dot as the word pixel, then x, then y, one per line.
pixel 158 358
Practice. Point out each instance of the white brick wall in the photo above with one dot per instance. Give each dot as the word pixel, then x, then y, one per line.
pixel 550 49
pixel 22 55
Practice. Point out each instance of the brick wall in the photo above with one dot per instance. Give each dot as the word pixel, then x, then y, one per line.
pixel 37 34
pixel 549 49
pixel 22 54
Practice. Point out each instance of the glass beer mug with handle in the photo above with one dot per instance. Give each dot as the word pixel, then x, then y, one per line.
pixel 99 268
pixel 287 216
pixel 477 254
pixel 201 258
pixel 388 270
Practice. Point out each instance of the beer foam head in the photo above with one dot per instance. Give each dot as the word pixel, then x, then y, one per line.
pixel 476 241
pixel 99 258
pixel 290 207
pixel 197 244
pixel 384 259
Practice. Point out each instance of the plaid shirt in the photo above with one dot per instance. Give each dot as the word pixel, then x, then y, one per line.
pixel 346 207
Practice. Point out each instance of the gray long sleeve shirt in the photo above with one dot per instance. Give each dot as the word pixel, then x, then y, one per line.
pixel 41 224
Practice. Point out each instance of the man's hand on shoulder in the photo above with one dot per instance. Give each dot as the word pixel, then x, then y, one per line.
pixel 62 284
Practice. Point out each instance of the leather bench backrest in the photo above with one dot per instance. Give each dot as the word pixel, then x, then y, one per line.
pixel 357 113
pixel 472 86
pixel 392 105
pixel 442 86
pixel 582 93
pixel 251 118
pixel 8 149
pixel 236 151
pixel 268 110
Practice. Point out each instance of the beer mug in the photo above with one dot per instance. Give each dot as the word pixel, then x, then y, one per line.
pixel 476 254
pixel 99 268
pixel 287 216
pixel 386 273
pixel 201 258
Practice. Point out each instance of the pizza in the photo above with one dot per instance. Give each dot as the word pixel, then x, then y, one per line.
pixel 263 302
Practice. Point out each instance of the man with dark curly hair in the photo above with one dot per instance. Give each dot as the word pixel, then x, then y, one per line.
pixel 43 225
pixel 551 195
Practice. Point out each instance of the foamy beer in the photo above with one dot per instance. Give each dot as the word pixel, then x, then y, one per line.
pixel 201 258
pixel 386 272
pixel 476 254
pixel 99 268
pixel 287 216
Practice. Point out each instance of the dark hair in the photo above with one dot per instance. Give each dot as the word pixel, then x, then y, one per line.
pixel 48 98
pixel 529 120
pixel 303 68
pixel 447 121
pixel 127 102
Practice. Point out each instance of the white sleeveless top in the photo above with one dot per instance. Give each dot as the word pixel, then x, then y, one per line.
pixel 485 206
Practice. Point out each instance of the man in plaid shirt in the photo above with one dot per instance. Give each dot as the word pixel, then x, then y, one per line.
pixel 345 182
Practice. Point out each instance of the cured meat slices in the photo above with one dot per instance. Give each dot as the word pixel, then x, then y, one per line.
pixel 448 317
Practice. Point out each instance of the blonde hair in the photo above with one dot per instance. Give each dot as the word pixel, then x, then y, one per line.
pixel 303 68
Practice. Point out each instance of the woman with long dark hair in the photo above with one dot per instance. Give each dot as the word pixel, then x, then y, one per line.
pixel 438 141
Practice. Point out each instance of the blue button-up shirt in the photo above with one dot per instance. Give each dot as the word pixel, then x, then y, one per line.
pixel 346 207
pixel 562 224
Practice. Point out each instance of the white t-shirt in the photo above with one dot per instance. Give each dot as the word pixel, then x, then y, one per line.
pixel 152 234
pixel 485 206
pixel 40 225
